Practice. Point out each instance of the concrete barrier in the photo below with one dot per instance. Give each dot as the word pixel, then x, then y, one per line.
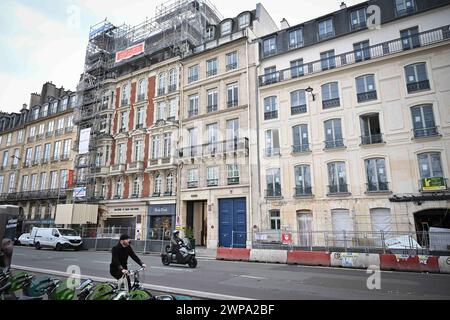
pixel 273 256
pixel 400 262
pixel 354 260
pixel 309 258
pixel 444 264
pixel 232 254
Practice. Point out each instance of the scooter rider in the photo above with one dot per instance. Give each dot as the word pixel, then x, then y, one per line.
pixel 175 243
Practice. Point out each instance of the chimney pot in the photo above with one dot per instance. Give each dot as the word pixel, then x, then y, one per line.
pixel 343 5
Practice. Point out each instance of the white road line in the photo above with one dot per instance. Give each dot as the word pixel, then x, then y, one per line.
pixel 171 269
pixel 251 277
pixel 176 291
pixel 102 262
pixel 70 259
pixel 19 254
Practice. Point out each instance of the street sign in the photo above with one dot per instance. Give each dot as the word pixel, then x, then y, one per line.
pixel 286 238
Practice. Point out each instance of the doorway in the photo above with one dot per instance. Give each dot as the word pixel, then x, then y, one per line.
pixel 197 221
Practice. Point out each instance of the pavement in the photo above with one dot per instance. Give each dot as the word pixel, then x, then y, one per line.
pixel 225 280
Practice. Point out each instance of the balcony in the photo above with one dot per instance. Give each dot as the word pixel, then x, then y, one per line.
pixel 35 163
pixel 377 187
pixel 271 115
pixel 31 139
pixel 161 91
pixel 124 102
pixel 372 139
pixel 156 194
pixel 169 194
pixel 334 144
pixel 211 73
pixel 367 96
pixel 26 163
pixel 68 130
pixel 34 195
pixel 327 35
pixel 141 97
pixel 55 158
pixel 13 167
pixel 426 133
pixel 45 160
pixel 135 196
pixel 418 86
pixel 216 149
pixel 59 132
pixel 211 108
pixel 331 103
pixel 272 152
pixel 192 113
pixel 192 184
pixel 300 192
pixel 380 50
pixel 212 182
pixel 172 88
pixel 49 134
pixel 298 109
pixel 117 169
pixel 231 66
pixel 40 137
pixel 301 149
pixel 232 103
pixel 233 181
pixel 65 157
pixel 274 193
pixel 193 79
pixel 135 167
pixel 139 126
pixel 435 184
pixel 338 190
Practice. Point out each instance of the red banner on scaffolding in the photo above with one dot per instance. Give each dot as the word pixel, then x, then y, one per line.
pixel 130 52
pixel 70 179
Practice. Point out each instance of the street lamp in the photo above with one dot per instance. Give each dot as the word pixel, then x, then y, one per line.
pixel 310 90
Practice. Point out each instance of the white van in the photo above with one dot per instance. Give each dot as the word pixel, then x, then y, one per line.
pixel 55 238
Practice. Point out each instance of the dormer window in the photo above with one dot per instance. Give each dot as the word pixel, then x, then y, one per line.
pixel 226 28
pixel 210 33
pixel 244 21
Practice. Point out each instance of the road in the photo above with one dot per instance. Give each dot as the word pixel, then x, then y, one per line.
pixel 235 280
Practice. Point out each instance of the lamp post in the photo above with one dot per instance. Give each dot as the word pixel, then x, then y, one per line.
pixel 310 91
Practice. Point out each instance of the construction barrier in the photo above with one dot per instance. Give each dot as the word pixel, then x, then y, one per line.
pixel 309 258
pixel 233 254
pixel 400 262
pixel 272 256
pixel 354 260
pixel 444 264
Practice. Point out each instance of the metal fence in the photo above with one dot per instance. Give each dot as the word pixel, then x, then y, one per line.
pixel 369 242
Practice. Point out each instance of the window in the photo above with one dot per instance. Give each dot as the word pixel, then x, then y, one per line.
pixel 60 124
pixel 330 95
pixel 173 108
pixel 193 106
pixel 305 229
pixel 53 107
pixel 5 159
pixel 210 32
pixel 212 96
pixel 125 95
pixel 233 174
pixel 142 90
pixel 50 127
pixel 35 113
pixel 140 117
pixel 43 181
pixel 57 150
pixel 63 179
pixel 138 150
pixel 32 132
pixel 211 130
pixel 326 29
pixel 47 148
pixel 358 18
pixel 370 129
pixel 193 178
pixel 192 142
pixel 337 178
pixel 24 186
pixel 404 7
pixel 226 28
pixel 244 20
pixel 232 62
pixel 300 139
pixel 417 78
pixel 275 220
pixel 1 184
pixel 193 73
pixel 11 184
pixel 376 175
pixel 298 102
pixel 161 111
pixel 232 134
pixel 20 136
pixel 328 60
pixel 410 38
pixel 45 110
pixel 423 121
pixel 273 180
pixel 341 221
pixel 155 147
pixel 37 154
pixel 53 180
pixel 64 104
pixel 297 69
pixel 15 158
pixel 430 165
pixel 158 186
pixel 136 188
pixel 272 143
pixel 270 46
pixel 296 39
pixel 173 79
pixel 365 88
pixel 8 139
pixel 123 121
pixel 119 188
pixel 121 153
pixel 333 134
pixel 303 181
pixel 167 145
pixel 28 156
pixel 213 177
pixel 270 108
pixel 161 84
pixel 232 95
pixel 211 67
pixel 41 129
pixel 169 185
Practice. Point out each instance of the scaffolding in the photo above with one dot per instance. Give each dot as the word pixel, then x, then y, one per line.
pixel 176 29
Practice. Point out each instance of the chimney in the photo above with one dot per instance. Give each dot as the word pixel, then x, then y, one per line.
pixel 24 107
pixel 35 99
pixel 343 5
pixel 284 24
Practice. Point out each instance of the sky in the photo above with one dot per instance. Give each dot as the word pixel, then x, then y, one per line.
pixel 45 40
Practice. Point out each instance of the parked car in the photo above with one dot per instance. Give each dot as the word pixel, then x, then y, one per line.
pixel 24 239
pixel 55 238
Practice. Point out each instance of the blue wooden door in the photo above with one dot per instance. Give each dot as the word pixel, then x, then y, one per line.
pixel 232 223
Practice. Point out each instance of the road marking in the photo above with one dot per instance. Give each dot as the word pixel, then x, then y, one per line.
pixel 176 291
pixel 103 262
pixel 171 269
pixel 70 259
pixel 252 277
pixel 19 254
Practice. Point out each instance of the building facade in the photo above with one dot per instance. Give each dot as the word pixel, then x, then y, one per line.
pixel 354 122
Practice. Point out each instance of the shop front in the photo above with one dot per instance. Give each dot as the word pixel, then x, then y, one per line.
pixel 161 221
pixel 125 220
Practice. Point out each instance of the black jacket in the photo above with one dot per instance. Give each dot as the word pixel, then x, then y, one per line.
pixel 119 260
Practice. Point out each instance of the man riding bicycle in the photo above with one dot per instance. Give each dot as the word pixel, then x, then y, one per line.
pixel 119 262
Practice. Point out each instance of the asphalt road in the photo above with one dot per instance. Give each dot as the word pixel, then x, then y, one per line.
pixel 251 280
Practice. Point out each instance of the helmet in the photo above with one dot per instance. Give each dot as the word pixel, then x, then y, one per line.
pixel 175 232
